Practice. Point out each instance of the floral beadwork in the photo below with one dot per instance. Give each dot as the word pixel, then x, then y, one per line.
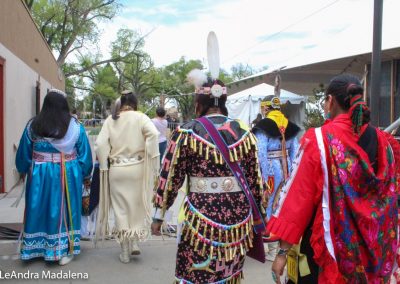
pixel 365 243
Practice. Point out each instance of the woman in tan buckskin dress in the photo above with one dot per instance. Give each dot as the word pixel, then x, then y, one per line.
pixel 127 150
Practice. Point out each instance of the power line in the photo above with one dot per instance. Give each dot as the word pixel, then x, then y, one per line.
pixel 282 30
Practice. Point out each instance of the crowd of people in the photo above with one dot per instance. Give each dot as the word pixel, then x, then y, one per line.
pixel 325 207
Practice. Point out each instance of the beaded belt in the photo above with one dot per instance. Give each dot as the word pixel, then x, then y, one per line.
pixel 214 184
pixel 275 154
pixel 52 157
pixel 123 161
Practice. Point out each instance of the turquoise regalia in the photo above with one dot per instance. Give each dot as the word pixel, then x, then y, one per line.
pixel 55 171
pixel 270 154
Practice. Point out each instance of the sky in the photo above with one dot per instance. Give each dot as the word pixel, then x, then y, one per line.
pixel 259 33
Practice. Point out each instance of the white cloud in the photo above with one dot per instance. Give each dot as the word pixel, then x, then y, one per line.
pixel 160 9
pixel 342 29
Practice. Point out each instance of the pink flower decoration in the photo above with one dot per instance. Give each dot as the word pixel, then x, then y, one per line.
pixel 371 229
pixel 340 203
pixel 335 141
pixel 347 266
pixel 342 176
pixel 387 268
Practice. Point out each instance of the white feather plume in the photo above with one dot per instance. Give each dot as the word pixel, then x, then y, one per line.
pixel 213 55
pixel 197 77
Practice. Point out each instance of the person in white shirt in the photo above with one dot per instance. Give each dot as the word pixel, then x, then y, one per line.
pixel 162 126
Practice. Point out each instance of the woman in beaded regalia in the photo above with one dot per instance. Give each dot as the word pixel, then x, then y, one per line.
pixel 216 216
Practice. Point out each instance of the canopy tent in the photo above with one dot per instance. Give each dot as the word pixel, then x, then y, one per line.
pixel 245 105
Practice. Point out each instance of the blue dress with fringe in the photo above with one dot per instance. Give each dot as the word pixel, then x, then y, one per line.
pixel 52 218
pixel 273 166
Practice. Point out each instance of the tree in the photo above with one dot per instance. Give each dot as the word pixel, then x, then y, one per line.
pixel 240 71
pixel 101 85
pixel 104 88
pixel 69 25
pixel 314 109
pixel 174 85
pixel 225 77
pixel 136 71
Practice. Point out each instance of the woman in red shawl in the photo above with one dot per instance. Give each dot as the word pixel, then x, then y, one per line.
pixel 347 211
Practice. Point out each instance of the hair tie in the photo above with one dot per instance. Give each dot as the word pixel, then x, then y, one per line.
pixel 357 107
pixel 356 99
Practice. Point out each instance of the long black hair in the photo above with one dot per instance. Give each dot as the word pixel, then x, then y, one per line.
pixel 207 101
pixel 126 99
pixel 348 92
pixel 54 118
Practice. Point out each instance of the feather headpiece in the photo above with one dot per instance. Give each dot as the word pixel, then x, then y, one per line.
pixel 213 55
pixel 198 78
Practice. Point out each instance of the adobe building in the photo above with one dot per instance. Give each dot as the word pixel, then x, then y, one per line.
pixel 27 70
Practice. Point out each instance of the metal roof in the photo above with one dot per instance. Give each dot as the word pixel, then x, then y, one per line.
pixel 304 79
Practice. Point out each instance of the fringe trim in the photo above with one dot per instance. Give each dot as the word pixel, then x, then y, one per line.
pixel 209 238
pixel 174 146
pixel 102 227
pixel 235 278
pixel 131 234
pixel 246 145
pixel 198 144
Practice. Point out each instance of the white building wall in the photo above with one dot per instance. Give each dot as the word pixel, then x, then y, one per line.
pixel 19 106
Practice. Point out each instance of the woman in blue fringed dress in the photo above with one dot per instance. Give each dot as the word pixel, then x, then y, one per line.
pixel 54 154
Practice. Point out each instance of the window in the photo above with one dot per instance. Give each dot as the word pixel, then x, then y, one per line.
pixel 384 96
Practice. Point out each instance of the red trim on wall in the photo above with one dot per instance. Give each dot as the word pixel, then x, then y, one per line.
pixel 2 186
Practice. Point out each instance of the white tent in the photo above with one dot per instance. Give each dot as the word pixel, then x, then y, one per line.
pixel 245 105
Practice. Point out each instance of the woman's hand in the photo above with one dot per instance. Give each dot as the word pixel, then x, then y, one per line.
pixel 87 182
pixel 278 267
pixel 156 228
pixel 22 176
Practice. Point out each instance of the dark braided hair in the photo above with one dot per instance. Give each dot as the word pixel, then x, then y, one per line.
pixel 348 92
pixel 207 101
pixel 128 99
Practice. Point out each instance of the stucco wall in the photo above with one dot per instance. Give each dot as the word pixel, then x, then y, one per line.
pixel 19 33
pixel 19 106
pixel 28 59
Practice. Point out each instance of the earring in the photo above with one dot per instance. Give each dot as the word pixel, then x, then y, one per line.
pixel 328 115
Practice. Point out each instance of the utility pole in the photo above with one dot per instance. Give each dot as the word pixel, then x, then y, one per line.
pixel 375 89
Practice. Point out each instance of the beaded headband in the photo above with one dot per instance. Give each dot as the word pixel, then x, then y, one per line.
pixel 126 92
pixel 216 90
pixel 274 103
pixel 58 92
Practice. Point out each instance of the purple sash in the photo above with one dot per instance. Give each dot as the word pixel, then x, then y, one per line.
pixel 259 225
